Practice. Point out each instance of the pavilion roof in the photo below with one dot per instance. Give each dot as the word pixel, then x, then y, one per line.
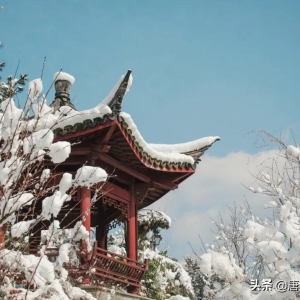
pixel 178 156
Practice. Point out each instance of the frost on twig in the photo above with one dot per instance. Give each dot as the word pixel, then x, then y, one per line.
pixel 252 249
pixel 25 142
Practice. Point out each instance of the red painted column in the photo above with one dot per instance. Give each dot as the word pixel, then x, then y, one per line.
pixel 132 232
pixel 2 236
pixel 85 212
pixel 131 227
pixel 85 207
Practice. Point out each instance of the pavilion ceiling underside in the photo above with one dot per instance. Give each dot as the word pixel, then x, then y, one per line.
pixel 119 154
pixel 111 144
pixel 115 195
pixel 144 194
pixel 120 150
pixel 112 206
pixel 126 151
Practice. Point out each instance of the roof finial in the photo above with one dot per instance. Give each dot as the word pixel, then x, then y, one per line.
pixel 63 83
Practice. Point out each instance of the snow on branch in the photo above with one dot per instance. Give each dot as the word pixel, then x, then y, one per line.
pixel 251 252
pixel 25 144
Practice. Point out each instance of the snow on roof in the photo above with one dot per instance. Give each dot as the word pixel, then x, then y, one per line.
pixel 168 153
pixel 63 76
pixel 64 118
pixel 71 116
pixel 185 147
pixel 169 157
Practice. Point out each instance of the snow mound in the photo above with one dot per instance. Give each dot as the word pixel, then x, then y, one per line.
pixel 63 76
pixel 59 151
pixel 18 229
pixel 293 151
pixel 35 89
pixel 88 176
pixel 38 140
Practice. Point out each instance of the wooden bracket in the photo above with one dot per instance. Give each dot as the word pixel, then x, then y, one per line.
pixel 168 185
pixel 141 190
pixel 123 167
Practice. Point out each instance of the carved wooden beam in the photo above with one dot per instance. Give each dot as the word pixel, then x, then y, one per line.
pixel 105 139
pixel 182 177
pixel 114 173
pixel 142 189
pixel 117 204
pixel 123 167
pixel 86 150
pixel 113 190
pixel 100 148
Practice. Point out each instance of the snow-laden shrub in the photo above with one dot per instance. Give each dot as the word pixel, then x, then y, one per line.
pixel 252 255
pixel 25 142
pixel 164 277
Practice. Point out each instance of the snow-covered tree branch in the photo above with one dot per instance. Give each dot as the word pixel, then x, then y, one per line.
pixel 252 255
pixel 26 143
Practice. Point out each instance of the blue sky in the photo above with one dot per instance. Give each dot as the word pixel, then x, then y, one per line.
pixel 200 68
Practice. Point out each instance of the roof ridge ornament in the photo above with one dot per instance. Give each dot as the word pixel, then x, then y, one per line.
pixel 63 84
pixel 116 102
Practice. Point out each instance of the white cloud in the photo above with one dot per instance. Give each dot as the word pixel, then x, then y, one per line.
pixel 218 182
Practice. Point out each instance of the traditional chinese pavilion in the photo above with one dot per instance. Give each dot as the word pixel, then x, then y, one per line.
pixel 140 174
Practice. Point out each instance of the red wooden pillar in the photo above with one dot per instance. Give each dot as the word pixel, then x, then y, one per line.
pixel 3 229
pixel 85 207
pixel 85 212
pixel 132 246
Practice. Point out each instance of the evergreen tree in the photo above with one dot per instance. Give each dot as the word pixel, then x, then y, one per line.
pixel 198 281
pixel 13 85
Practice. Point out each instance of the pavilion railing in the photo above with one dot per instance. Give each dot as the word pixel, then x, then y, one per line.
pixel 114 267
pixel 50 252
pixel 105 266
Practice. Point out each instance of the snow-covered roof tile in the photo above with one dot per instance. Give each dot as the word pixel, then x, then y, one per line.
pixel 182 156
